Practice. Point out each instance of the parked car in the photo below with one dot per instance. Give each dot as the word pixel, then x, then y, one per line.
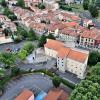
pixel 8 49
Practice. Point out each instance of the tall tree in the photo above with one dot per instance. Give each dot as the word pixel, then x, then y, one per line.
pixel 3 3
pixel 98 3
pixel 94 57
pixel 32 35
pixel 29 47
pixel 7 59
pixel 50 36
pixel 86 90
pixel 21 3
pixel 56 82
pixel 22 54
pixel 93 10
pixel 42 41
pixel 86 4
pixel 94 74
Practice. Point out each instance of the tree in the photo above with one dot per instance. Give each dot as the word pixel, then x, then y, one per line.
pixel 7 12
pixel 7 31
pixel 94 57
pixel 98 3
pixel 93 10
pixel 15 71
pixel 12 17
pixel 86 90
pixel 86 4
pixel 22 32
pixel 18 39
pixel 41 6
pixel 42 41
pixel 32 35
pixel 56 81
pixel 2 73
pixel 7 59
pixel 29 47
pixel 22 54
pixel 3 3
pixel 50 36
pixel 21 3
pixel 94 74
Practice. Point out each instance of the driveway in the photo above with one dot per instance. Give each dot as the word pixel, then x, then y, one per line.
pixel 35 82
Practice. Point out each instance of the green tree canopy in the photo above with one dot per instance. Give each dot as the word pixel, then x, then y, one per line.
pixel 56 81
pixel 94 74
pixel 3 3
pixel 32 35
pixel 21 3
pixel 94 57
pixel 22 54
pixel 29 47
pixel 94 10
pixel 41 6
pixel 42 41
pixel 50 36
pixel 86 90
pixel 98 3
pixel 7 59
pixel 86 4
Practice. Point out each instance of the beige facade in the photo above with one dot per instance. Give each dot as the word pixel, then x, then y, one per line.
pixel 67 38
pixel 72 66
pixel 50 52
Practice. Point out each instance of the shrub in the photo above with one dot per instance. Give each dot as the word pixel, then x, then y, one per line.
pixel 56 81
pixel 18 39
pixel 29 47
pixel 22 54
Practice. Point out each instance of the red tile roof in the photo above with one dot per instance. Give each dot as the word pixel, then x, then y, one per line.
pixel 25 95
pixel 53 44
pixel 57 94
pixel 66 52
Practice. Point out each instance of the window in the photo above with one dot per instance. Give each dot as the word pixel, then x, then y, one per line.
pixel 81 39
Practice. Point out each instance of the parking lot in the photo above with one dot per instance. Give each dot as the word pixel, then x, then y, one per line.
pixel 35 82
pixel 14 46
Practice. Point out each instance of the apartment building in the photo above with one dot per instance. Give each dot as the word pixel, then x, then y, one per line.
pixel 72 60
pixel 90 38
